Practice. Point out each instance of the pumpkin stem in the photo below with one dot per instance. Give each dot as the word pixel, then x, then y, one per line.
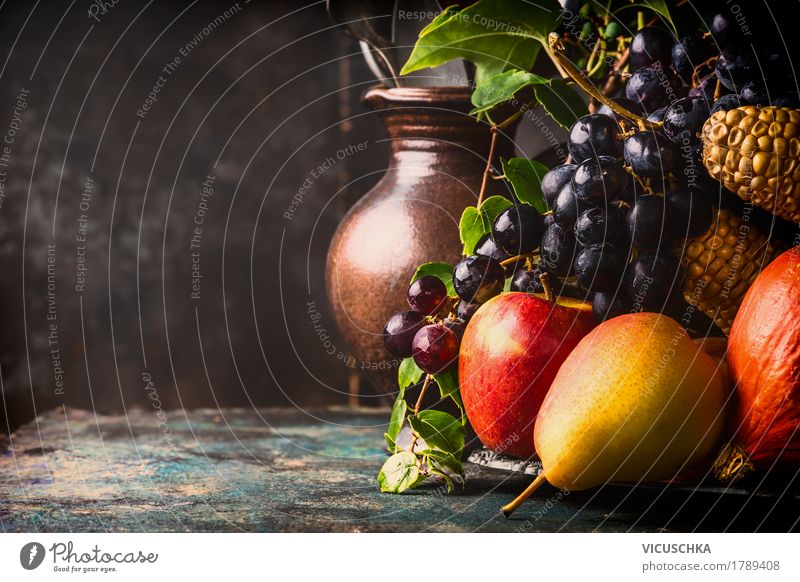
pixel 732 464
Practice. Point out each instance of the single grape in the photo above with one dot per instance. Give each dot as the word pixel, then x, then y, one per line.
pixel 631 190
pixel 457 327
pixel 735 67
pixel 477 278
pixel 647 224
pixel 554 180
pixel 528 280
pixel 466 310
pixel 594 135
pixel 726 103
pixel 653 87
pixel 684 119
pixel 754 93
pixel 435 348
pixel 657 115
pixel 724 29
pixel 399 332
pixel 566 207
pixel 518 229
pixel 606 305
pixel 689 211
pixel 652 281
pixel 597 180
pixel 427 295
pixel 487 247
pixel 600 267
pixel 650 155
pixel 688 53
pixel 558 250
pixel 631 106
pixel 600 225
pixel 707 88
pixel 651 45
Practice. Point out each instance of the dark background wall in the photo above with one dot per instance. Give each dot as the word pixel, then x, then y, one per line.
pixel 103 185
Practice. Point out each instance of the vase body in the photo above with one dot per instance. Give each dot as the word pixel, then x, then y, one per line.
pixel 438 155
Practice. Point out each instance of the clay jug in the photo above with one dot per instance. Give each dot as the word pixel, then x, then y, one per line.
pixel 438 155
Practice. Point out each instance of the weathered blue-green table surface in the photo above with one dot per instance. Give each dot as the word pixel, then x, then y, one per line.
pixel 292 470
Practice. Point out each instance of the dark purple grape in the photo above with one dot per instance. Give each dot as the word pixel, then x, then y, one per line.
pixel 566 207
pixel 735 67
pixel 684 119
pixel 528 280
pixel 457 327
pixel 631 106
pixel 726 103
pixel 724 29
pixel 598 179
pixel 689 212
pixel 688 53
pixel 650 155
pixel 690 171
pixel 653 87
pixel 631 190
pixel 647 223
pixel 600 267
pixel 606 305
pixel 427 295
pixel 518 229
pixel 657 115
pixel 651 45
pixel 477 278
pixel 554 180
pixel 487 247
pixel 558 250
pixel 788 99
pixel 602 225
pixel 399 332
pixel 466 310
pixel 435 348
pixel 594 135
pixel 754 93
pixel 652 281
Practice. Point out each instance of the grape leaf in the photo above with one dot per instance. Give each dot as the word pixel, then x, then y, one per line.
pixel 400 472
pixel 658 6
pixel 408 373
pixel 494 34
pixel 448 388
pixel 561 102
pixel 439 430
pixel 526 178
pixel 441 270
pixel 502 88
pixel 396 422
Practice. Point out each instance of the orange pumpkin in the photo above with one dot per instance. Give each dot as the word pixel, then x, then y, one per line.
pixel 764 364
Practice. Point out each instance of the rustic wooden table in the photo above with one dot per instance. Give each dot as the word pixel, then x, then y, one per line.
pixel 290 470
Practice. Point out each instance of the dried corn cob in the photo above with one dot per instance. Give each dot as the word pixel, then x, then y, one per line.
pixel 722 264
pixel 755 152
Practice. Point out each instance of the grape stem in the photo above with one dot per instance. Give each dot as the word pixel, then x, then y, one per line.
pixel 514 259
pixel 495 129
pixel 417 406
pixel 577 76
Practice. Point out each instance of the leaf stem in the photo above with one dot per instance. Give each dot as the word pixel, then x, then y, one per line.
pixel 586 85
pixel 417 406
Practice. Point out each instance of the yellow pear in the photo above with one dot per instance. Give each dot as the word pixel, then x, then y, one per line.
pixel 636 400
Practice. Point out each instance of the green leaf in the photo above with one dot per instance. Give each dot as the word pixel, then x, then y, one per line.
pixel 400 472
pixel 448 388
pixel 443 459
pixel 502 88
pixel 436 471
pixel 661 8
pixel 526 177
pixel 440 19
pixel 408 373
pixel 439 430
pixel 476 222
pixel 470 229
pixel 396 422
pixel 561 102
pixel 439 269
pixel 494 34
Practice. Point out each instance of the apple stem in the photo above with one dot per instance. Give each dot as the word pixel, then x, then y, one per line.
pixel 544 279
pixel 556 47
pixel 732 464
pixel 417 406
pixel 510 508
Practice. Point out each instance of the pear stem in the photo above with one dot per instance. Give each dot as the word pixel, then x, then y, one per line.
pixel 512 507
pixel 556 47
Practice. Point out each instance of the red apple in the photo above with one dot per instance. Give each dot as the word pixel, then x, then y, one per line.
pixel 511 351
